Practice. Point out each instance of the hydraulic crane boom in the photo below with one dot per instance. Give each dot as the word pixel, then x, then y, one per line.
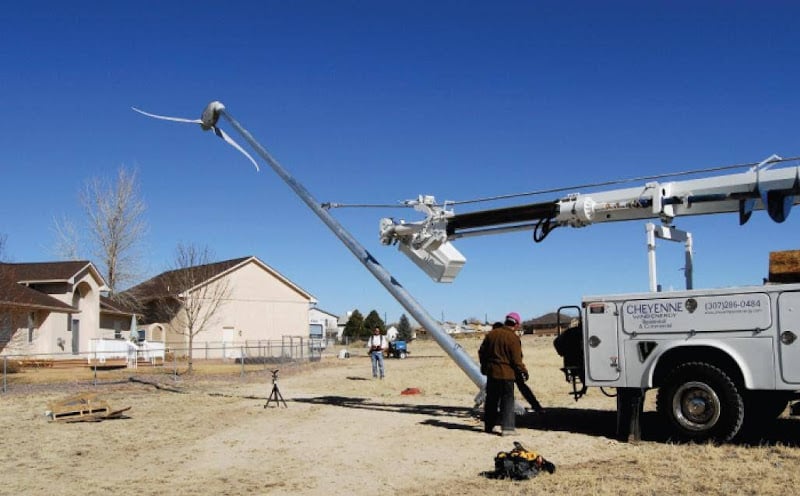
pixel 428 242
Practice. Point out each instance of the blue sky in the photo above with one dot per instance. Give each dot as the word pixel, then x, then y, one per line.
pixel 380 101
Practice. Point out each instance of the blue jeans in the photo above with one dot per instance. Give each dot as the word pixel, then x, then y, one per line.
pixel 377 363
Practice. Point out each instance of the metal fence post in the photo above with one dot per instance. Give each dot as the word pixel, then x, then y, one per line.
pixel 241 359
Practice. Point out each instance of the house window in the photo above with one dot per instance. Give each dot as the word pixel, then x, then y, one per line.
pixel 31 326
pixel 117 329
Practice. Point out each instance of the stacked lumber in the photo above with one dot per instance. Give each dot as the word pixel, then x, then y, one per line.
pixel 784 266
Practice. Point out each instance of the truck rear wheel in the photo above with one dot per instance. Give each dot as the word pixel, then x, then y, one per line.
pixel 701 402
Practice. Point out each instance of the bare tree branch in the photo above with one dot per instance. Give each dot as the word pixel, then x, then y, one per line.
pixel 116 225
pixel 67 239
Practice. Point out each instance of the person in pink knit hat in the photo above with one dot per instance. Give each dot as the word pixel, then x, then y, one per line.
pixel 500 356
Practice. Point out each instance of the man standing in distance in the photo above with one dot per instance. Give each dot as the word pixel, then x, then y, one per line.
pixel 377 344
pixel 500 355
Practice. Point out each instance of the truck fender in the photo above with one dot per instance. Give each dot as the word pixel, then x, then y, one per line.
pixel 714 351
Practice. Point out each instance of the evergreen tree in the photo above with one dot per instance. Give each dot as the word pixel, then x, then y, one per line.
pixel 372 321
pixel 404 332
pixel 354 328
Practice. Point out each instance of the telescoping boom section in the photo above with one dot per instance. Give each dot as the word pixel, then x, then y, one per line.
pixel 770 185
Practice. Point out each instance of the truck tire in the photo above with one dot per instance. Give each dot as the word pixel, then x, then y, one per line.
pixel 701 402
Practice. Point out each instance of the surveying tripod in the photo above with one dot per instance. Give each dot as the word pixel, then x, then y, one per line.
pixel 275 395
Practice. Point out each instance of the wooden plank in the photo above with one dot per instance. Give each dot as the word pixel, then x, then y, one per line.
pixel 784 266
pixel 35 363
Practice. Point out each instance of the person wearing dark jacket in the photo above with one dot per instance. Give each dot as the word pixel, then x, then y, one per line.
pixel 524 389
pixel 500 356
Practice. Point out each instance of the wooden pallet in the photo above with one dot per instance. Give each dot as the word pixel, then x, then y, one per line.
pixel 84 407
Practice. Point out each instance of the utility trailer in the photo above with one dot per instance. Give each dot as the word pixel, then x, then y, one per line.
pixel 719 358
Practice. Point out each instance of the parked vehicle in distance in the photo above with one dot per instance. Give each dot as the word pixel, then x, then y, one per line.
pixel 397 349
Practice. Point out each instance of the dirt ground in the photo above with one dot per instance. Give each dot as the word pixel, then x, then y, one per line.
pixel 343 432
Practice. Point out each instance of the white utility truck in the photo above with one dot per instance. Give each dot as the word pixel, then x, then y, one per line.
pixel 719 357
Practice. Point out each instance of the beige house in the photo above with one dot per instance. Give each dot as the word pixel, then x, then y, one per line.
pixel 255 304
pixel 55 308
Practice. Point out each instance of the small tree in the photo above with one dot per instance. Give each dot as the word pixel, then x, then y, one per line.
pixel 372 321
pixel 354 328
pixel 404 332
pixel 197 294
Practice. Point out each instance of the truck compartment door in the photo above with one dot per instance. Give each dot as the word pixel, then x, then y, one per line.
pixel 789 335
pixel 602 347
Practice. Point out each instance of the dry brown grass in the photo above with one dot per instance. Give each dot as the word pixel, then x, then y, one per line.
pixel 344 433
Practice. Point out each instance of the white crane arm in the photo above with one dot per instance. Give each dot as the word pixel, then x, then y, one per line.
pixel 428 242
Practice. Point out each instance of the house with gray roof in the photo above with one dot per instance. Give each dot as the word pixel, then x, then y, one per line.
pixel 56 308
pixel 260 304
pixel 59 308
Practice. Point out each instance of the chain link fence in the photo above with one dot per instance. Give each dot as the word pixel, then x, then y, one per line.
pixel 108 367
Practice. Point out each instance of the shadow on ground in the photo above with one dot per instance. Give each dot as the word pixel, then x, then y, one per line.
pixel 365 404
pixel 600 423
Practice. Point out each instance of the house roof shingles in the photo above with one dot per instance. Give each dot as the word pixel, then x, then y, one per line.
pixel 44 271
pixel 16 295
pixel 172 282
pixel 175 282
pixel 548 319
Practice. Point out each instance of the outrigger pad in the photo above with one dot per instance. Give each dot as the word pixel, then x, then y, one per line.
pixel 84 407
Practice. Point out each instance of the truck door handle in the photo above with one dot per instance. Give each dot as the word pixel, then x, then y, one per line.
pixel 788 337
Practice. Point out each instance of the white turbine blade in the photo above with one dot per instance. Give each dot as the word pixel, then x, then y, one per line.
pixel 219 132
pixel 163 117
